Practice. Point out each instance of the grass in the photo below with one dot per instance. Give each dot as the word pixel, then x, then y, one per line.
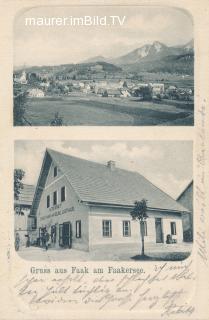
pixel 169 256
pixel 93 110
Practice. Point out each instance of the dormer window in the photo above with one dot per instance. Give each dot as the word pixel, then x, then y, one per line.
pixel 55 172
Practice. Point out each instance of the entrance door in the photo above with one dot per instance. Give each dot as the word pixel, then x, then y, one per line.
pixel 66 235
pixel 159 231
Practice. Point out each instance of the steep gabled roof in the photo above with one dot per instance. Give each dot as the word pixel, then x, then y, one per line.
pixel 189 185
pixel 96 183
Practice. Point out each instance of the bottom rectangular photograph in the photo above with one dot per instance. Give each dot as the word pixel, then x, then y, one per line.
pixel 103 200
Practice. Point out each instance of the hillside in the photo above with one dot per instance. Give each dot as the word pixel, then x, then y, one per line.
pixel 76 69
pixel 156 57
pixel 181 64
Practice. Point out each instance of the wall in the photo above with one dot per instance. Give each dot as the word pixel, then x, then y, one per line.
pixel 55 215
pixel 186 199
pixel 118 215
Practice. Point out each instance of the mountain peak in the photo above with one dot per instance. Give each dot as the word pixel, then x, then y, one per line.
pixel 158 45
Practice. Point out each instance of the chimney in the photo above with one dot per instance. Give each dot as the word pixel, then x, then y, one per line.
pixel 111 165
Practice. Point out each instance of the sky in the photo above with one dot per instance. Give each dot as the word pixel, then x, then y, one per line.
pixel 167 164
pixel 42 45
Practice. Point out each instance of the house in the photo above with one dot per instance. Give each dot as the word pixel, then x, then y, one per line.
pixel 22 79
pixel 101 91
pixel 125 93
pixel 186 199
pixel 87 88
pixel 35 93
pixel 44 84
pixel 86 205
pixel 113 93
pixel 158 88
pixel 22 207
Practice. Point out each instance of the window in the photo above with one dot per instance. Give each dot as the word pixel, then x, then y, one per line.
pixel 63 195
pixel 78 229
pixel 48 201
pixel 126 229
pixel 173 228
pixel 107 228
pixel 54 198
pixel 55 171
pixel 53 234
pixel 61 234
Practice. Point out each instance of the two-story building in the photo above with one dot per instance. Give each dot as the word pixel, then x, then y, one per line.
pixel 86 205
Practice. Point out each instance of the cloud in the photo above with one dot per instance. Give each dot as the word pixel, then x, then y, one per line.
pixel 59 45
pixel 119 151
pixel 157 161
pixel 169 183
pixel 144 23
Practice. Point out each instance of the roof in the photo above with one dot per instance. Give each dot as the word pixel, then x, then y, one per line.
pixel 26 195
pixel 96 183
pixel 189 185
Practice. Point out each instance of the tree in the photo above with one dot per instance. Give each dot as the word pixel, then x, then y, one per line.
pixel 125 84
pixel 139 213
pixel 57 121
pixel 19 109
pixel 105 93
pixel 18 185
pixel 146 93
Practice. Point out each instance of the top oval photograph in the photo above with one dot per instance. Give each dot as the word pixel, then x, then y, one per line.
pixel 103 66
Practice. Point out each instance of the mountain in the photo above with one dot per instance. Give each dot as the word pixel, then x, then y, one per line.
pixel 155 57
pixel 151 52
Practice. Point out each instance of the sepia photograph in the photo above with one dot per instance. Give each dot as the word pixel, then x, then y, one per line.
pixel 103 200
pixel 103 66
pixel 104 160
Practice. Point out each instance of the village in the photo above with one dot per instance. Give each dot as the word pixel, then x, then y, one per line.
pixel 39 85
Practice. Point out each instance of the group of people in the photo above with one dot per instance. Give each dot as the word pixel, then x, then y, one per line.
pixel 44 240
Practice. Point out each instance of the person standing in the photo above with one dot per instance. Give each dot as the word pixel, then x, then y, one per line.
pixel 46 240
pixel 17 241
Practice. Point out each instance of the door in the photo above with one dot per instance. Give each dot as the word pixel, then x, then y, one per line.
pixel 159 231
pixel 66 235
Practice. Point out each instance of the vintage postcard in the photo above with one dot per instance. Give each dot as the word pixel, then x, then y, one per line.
pixel 104 160
pixel 109 66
